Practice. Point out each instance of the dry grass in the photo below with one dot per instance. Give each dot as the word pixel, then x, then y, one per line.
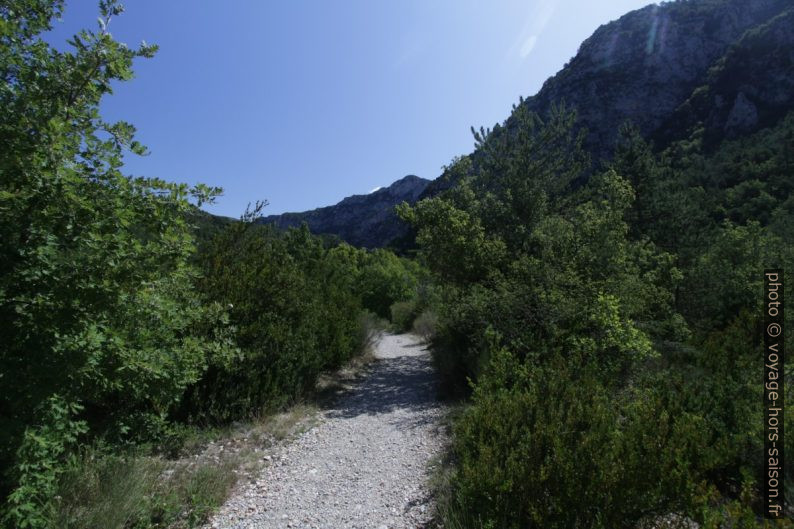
pixel 117 492
pixel 135 491
pixel 425 325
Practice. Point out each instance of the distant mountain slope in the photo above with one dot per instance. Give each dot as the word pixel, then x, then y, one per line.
pixel 362 220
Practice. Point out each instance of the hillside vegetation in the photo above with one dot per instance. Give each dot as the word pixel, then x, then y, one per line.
pixel 608 335
pixel 599 279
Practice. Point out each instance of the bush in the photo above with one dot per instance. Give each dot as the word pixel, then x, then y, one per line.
pixel 403 314
pixel 550 447
pixel 534 449
pixel 102 329
pixel 426 325
pixel 370 329
pixel 293 305
pixel 384 278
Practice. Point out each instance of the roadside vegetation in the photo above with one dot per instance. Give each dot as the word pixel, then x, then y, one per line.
pixel 605 336
pixel 135 329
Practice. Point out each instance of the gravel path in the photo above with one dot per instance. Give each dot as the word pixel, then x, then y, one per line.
pixel 365 463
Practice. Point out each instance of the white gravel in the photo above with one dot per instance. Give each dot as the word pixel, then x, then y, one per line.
pixel 364 465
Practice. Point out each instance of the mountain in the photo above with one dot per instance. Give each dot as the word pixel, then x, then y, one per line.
pixel 361 220
pixel 645 65
pixel 674 70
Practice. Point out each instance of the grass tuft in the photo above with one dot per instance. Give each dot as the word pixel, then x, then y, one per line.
pixel 135 492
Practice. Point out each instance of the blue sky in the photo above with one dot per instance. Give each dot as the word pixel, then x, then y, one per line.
pixel 303 103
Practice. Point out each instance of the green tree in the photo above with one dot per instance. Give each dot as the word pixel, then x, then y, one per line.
pixel 102 330
pixel 294 306
pixel 383 279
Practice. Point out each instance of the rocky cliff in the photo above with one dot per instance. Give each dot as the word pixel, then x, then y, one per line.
pixel 750 87
pixel 719 66
pixel 645 65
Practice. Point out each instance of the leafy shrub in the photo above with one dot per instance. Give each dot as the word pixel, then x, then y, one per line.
pixel 550 446
pixel 102 328
pixel 295 308
pixel 403 314
pixel 40 463
pixel 383 279
pixel 527 464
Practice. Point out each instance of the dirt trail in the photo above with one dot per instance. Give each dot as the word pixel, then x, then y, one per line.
pixel 364 465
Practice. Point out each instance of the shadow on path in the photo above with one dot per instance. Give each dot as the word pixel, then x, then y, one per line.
pixel 404 383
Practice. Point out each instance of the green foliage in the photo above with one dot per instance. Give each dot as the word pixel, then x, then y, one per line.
pixel 293 304
pixel 458 248
pixel 608 331
pixel 384 279
pixel 105 491
pixel 547 446
pixel 531 441
pixel 403 314
pixel 39 463
pixel 298 307
pixel 102 330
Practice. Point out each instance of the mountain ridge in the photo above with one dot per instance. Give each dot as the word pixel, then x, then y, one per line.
pixel 366 220
pixel 645 66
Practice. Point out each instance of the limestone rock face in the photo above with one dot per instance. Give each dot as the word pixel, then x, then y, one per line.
pixel 725 67
pixel 645 65
pixel 743 115
pixel 749 87
pixel 362 220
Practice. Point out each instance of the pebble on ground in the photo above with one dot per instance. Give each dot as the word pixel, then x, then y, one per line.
pixel 364 465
